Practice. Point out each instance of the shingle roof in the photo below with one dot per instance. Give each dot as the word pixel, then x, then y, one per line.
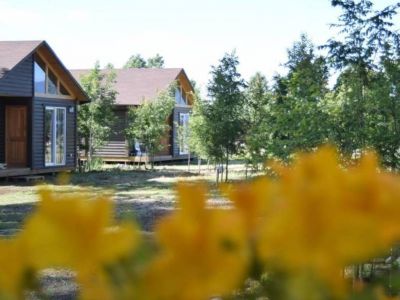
pixel 13 52
pixel 135 85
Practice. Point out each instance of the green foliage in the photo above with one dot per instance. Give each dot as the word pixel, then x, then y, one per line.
pixel 96 117
pixel 155 62
pixel 148 122
pixel 224 113
pixel 257 118
pixel 297 119
pixel 137 61
pixel 199 138
pixel 364 36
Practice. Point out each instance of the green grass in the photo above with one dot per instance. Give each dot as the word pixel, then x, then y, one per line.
pixel 146 194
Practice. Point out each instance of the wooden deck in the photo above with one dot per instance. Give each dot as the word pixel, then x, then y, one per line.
pixel 133 159
pixel 12 172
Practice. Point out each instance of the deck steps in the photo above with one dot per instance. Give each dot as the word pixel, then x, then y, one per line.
pixel 113 149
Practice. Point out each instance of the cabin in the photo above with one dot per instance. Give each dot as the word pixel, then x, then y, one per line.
pixel 38 107
pixel 134 86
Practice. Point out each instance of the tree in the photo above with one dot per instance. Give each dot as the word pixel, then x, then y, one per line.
pixel 135 61
pixel 155 62
pixel 148 122
pixel 384 116
pixel 95 118
pixel 257 120
pixel 199 138
pixel 363 34
pixel 224 113
pixel 297 118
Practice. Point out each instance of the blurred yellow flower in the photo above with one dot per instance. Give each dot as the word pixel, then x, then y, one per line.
pixel 323 217
pixel 14 268
pixel 203 252
pixel 71 232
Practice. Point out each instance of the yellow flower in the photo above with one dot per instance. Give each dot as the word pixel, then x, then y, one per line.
pixel 322 217
pixel 71 232
pixel 203 252
pixel 14 268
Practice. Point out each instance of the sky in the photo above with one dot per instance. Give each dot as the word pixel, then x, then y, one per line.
pixel 190 34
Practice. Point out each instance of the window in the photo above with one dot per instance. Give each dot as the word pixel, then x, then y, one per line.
pixel 183 143
pixel 40 76
pixel 179 99
pixel 55 136
pixel 51 83
pixel 46 82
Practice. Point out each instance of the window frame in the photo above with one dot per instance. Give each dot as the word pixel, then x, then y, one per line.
pixel 54 137
pixel 47 68
pixel 184 147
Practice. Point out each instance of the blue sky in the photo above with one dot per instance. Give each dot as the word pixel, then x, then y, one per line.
pixel 189 34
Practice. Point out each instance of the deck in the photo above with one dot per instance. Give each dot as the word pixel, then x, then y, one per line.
pixel 133 159
pixel 12 172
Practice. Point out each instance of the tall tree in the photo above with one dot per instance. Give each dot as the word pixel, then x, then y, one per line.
pixel 225 111
pixel 363 33
pixel 200 137
pixel 257 120
pixel 384 116
pixel 135 61
pixel 148 122
pixel 298 121
pixel 95 118
pixel 155 62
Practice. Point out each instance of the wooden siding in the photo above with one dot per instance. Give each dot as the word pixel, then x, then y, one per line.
pixel 116 149
pixel 175 141
pixel 116 146
pixel 38 111
pixel 19 81
pixel 119 126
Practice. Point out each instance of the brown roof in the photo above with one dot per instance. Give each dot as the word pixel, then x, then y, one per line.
pixel 13 52
pixel 136 85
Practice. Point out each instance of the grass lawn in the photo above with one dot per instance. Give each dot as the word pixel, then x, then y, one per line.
pixel 144 194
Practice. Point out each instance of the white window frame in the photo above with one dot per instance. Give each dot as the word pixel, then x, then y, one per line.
pixel 54 137
pixel 184 121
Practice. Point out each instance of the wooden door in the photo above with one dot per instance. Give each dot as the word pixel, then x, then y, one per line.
pixel 16 136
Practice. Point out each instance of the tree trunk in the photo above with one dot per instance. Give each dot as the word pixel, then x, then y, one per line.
pixel 199 164
pixel 226 166
pixel 89 157
pixel 189 161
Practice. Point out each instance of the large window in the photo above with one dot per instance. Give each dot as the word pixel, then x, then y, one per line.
pixel 46 82
pixel 179 97
pixel 184 134
pixel 40 76
pixel 55 136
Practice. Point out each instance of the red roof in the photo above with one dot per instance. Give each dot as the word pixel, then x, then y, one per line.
pixel 136 85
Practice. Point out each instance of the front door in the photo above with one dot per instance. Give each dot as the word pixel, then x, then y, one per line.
pixel 16 135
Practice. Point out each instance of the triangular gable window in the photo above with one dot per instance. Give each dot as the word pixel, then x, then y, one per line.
pixel 45 81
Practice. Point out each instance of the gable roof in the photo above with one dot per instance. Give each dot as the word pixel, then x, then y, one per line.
pixel 13 53
pixel 137 84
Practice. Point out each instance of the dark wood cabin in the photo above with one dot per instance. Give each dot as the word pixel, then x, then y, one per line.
pixel 38 105
pixel 134 86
